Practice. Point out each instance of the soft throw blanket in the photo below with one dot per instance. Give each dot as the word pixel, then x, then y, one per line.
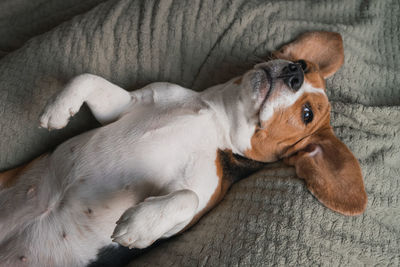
pixel 269 218
pixel 23 19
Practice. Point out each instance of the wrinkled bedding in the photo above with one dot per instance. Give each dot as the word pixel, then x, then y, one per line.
pixel 269 218
pixel 22 19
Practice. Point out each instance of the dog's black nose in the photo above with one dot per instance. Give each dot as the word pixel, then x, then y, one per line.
pixel 293 76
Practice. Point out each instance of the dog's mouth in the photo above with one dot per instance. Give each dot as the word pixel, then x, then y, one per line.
pixel 269 85
pixel 262 83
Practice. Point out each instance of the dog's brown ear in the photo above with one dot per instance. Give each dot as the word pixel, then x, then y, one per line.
pixel 331 172
pixel 322 48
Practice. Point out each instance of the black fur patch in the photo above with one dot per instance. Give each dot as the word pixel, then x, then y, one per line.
pixel 236 167
pixel 118 256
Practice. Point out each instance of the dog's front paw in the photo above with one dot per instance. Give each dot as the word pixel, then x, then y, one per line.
pixel 57 114
pixel 139 227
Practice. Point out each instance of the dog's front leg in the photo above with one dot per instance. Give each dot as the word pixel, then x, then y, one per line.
pixel 161 92
pixel 154 218
pixel 106 101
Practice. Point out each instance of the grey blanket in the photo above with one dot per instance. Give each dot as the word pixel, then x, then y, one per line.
pixel 269 218
pixel 22 19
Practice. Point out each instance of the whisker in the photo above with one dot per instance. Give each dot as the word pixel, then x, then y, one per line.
pixel 270 56
pixel 256 59
pixel 284 76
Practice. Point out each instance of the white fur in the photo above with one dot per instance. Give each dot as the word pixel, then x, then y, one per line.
pixel 228 111
pixel 287 99
pixel 140 177
pixel 315 152
pixel 154 218
pixel 105 100
pixel 162 143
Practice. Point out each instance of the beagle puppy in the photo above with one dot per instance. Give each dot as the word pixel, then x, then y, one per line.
pixel 165 155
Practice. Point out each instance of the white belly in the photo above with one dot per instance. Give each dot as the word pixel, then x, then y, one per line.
pixel 93 178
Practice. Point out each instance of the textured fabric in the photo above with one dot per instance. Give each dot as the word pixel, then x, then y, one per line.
pixel 269 218
pixel 22 19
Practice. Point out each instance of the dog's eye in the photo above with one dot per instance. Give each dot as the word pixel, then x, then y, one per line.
pixel 303 65
pixel 307 114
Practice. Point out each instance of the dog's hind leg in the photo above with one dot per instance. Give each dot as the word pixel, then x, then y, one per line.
pixel 156 217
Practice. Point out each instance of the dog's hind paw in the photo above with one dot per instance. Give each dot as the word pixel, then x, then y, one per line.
pixel 154 218
pixel 137 228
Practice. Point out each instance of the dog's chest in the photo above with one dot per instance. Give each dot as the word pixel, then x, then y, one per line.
pixel 145 153
pixel 114 167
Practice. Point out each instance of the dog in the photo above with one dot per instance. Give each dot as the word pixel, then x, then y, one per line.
pixel 166 155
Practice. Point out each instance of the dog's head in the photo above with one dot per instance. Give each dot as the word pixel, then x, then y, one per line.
pixel 286 100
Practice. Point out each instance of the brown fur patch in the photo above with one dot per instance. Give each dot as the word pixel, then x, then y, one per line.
pixel 332 173
pixel 238 81
pixel 230 169
pixel 313 76
pixel 10 177
pixel 286 128
pixel 322 48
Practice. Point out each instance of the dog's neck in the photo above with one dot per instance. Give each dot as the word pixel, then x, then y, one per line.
pixel 231 115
